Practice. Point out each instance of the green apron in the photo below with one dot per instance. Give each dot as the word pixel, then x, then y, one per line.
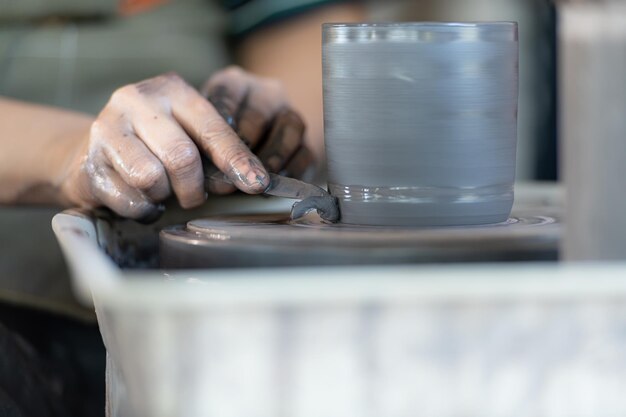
pixel 78 62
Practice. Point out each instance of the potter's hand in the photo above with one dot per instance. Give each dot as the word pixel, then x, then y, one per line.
pixel 148 140
pixel 257 110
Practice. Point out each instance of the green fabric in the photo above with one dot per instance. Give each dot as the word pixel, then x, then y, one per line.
pixel 12 10
pixel 78 64
pixel 253 14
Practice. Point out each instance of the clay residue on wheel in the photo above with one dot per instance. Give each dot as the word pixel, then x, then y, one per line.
pixel 327 207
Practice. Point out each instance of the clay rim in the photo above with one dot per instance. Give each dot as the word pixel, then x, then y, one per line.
pixel 419 24
pixel 344 32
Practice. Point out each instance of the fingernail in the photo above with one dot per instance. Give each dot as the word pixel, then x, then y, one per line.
pixel 256 176
pixel 263 181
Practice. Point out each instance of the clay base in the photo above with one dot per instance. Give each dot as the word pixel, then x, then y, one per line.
pixel 383 213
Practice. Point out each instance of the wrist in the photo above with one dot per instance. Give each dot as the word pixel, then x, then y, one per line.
pixel 62 167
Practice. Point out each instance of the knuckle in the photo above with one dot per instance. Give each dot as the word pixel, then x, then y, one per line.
pixel 157 85
pixel 148 176
pixel 97 130
pixel 215 131
pixel 172 77
pixel 183 159
pixel 123 94
pixel 233 71
pixel 229 75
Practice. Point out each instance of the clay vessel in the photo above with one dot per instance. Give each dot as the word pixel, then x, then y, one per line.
pixel 420 121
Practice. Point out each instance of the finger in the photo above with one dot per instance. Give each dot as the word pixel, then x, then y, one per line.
pixel 218 140
pixel 137 165
pixel 257 111
pixel 286 136
pixel 226 91
pixel 302 165
pixel 178 154
pixel 252 101
pixel 111 190
pixel 218 186
pixel 216 181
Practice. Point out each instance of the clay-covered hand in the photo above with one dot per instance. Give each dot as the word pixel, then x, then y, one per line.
pixel 151 138
pixel 257 109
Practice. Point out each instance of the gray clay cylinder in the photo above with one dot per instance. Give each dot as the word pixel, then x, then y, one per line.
pixel 420 121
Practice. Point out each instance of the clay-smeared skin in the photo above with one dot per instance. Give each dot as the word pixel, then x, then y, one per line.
pixel 258 111
pixel 284 140
pixel 225 106
pixel 149 141
pixel 421 108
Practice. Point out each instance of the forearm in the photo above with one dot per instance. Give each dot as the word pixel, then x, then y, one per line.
pixel 36 145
